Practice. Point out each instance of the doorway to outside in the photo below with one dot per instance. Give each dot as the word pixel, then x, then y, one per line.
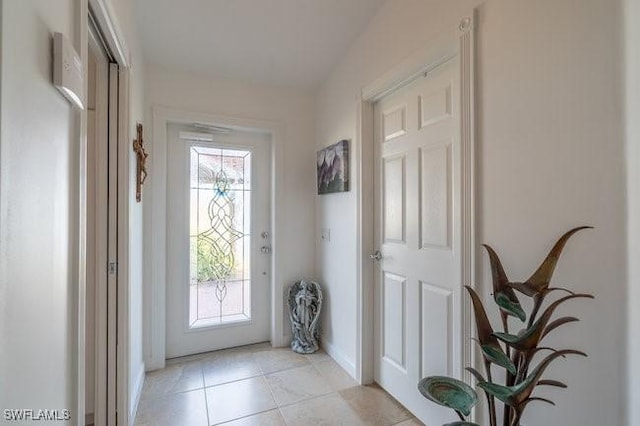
pixel 218 238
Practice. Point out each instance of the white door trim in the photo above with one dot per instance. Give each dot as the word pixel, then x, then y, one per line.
pixel 155 220
pixel 125 190
pixel 106 21
pixel 81 43
pixel 458 41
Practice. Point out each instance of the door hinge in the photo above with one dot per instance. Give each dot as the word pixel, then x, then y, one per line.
pixel 112 268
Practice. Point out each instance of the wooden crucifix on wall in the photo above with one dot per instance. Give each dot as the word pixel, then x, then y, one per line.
pixel 141 159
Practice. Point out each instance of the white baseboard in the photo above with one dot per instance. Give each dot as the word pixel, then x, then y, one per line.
pixel 344 362
pixel 286 339
pixel 151 364
pixel 135 395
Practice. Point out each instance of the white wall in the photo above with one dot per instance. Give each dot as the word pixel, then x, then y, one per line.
pixel 38 209
pixel 125 14
pixel 400 28
pixel 294 110
pixel 632 37
pixel 550 156
pixel 38 204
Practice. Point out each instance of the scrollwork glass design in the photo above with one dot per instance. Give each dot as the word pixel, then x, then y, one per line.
pixel 219 236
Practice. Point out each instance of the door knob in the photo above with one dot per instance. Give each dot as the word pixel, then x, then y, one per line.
pixel 376 256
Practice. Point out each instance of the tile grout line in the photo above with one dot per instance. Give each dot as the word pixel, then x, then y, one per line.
pixel 231 381
pixel 331 390
pixel 309 399
pixel 243 417
pixel 206 401
pixel 273 396
pixel 308 361
pixel 250 414
pixel 262 373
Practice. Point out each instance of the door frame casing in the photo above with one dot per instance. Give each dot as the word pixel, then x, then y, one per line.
pixel 155 218
pixel 459 41
pixel 107 23
pixel 123 269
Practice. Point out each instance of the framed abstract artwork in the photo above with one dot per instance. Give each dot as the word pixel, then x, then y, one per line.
pixel 333 168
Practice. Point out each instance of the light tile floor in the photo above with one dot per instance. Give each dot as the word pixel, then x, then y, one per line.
pixel 258 385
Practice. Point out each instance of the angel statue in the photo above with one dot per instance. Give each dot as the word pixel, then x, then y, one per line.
pixel 305 303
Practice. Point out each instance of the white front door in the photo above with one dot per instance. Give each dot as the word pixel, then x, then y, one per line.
pixel 218 240
pixel 418 288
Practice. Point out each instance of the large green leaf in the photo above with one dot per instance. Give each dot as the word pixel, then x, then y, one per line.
pixel 510 307
pixel 503 294
pixel 498 357
pixel 491 349
pixel 503 393
pixel 529 338
pixel 516 395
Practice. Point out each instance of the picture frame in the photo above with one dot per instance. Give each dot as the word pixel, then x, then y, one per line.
pixel 333 168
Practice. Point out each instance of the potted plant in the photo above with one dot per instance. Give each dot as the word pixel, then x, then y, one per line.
pixel 512 352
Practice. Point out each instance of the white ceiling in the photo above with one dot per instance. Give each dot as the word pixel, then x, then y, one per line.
pixel 280 42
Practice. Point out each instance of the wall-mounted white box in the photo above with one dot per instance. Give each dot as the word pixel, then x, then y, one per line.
pixel 67 70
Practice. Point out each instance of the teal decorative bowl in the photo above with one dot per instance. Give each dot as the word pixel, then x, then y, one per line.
pixel 449 392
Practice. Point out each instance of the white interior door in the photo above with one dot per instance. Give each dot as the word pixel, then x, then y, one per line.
pixel 418 286
pixel 218 240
